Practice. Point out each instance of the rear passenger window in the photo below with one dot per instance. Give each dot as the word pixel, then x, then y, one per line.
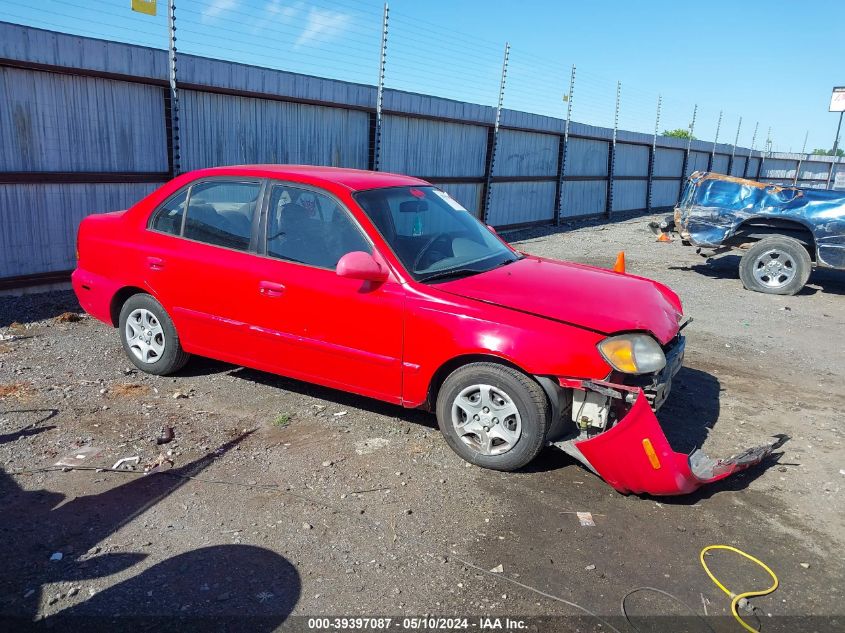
pixel 221 213
pixel 168 217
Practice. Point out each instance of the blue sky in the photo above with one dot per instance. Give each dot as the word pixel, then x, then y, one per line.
pixel 763 61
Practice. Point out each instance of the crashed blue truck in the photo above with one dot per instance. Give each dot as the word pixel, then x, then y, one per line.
pixel 784 232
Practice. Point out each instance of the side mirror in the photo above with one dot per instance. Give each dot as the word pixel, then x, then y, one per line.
pixel 360 265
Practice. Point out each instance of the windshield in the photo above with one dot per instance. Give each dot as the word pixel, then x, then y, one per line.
pixel 433 235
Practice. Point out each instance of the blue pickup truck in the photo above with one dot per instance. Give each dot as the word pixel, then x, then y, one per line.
pixel 783 231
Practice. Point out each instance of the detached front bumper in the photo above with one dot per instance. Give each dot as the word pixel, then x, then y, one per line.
pixel 634 455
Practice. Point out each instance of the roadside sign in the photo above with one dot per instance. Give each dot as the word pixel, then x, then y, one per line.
pixel 149 7
pixel 837 99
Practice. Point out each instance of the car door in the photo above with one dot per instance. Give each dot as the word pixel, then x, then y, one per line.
pixel 199 246
pixel 314 324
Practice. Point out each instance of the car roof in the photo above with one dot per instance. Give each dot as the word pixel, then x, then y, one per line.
pixel 352 179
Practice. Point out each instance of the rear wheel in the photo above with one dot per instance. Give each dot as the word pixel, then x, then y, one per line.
pixel 775 265
pixel 493 416
pixel 149 337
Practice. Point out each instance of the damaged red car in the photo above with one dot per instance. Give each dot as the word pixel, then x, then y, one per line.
pixel 385 286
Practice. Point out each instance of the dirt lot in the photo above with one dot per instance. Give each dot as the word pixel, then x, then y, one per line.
pixel 292 500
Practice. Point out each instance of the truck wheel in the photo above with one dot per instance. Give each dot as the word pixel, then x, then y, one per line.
pixel 149 337
pixel 493 416
pixel 775 265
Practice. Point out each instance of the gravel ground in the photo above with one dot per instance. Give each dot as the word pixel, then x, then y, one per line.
pixel 287 499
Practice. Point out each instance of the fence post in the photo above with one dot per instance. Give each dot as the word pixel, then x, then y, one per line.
pixel 611 159
pixel 175 145
pixel 493 140
pixel 649 184
pixel 564 146
pixel 750 151
pixel 830 171
pixel 800 159
pixel 766 148
pixel 375 141
pixel 733 149
pixel 689 145
pixel 715 140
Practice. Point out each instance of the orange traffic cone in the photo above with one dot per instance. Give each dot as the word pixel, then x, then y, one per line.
pixel 664 237
pixel 619 266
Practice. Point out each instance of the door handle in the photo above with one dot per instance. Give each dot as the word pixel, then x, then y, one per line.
pixel 155 263
pixel 270 288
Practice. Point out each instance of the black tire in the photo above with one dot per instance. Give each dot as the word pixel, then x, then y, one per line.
pixel 525 393
pixel 173 357
pixel 786 252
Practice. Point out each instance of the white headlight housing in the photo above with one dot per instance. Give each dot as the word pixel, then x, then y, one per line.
pixel 633 353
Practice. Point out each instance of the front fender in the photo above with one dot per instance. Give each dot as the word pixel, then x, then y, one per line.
pixel 440 329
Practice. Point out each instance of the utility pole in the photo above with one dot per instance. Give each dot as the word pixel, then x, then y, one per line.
pixel 376 159
pixel 175 145
pixel 838 129
pixel 493 139
pixel 611 166
pixel 800 158
pixel 733 149
pixel 689 144
pixel 652 156
pixel 751 150
pixel 562 166
pixel 715 141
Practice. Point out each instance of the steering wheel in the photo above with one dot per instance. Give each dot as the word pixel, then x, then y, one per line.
pixel 428 246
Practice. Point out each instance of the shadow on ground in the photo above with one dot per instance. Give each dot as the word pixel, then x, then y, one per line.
pixel 36 307
pixel 205 366
pixel 33 428
pixel 727 267
pixel 226 587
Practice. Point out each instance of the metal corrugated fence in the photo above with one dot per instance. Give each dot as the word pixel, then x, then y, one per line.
pixel 86 128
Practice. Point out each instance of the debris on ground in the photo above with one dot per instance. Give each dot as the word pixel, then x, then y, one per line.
pixel 498 569
pixel 128 389
pixel 68 317
pixel 126 463
pixel 590 567
pixel 340 414
pixel 155 465
pixel 371 445
pixel 79 457
pixel 166 435
pixel 57 556
pixel 586 519
pixel 13 390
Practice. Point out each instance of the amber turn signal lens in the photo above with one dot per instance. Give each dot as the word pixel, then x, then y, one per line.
pixel 651 453
pixel 633 353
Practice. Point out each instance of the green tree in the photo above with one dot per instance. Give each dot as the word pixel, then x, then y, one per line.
pixel 828 152
pixel 679 133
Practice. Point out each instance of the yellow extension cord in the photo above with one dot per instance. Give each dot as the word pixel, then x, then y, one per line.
pixel 736 598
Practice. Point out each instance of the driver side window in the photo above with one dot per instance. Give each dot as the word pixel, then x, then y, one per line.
pixel 308 227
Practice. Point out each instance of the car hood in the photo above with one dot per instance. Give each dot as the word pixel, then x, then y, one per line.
pixel 593 298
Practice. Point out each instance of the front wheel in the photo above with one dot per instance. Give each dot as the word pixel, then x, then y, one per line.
pixel 775 265
pixel 149 337
pixel 493 416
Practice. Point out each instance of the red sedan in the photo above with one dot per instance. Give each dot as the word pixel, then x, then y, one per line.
pixel 384 285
